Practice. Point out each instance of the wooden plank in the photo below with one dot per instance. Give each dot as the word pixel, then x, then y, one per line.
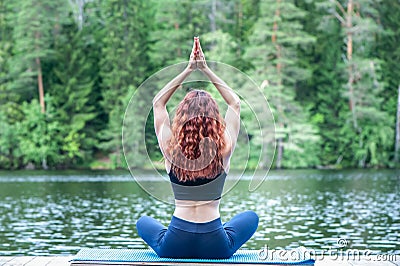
pixel 5 259
pixel 49 260
pixel 327 261
pixel 371 263
pixel 397 260
pixel 166 263
pixel 19 260
pixel 35 260
pixel 60 260
pixel 375 260
pixel 39 260
pixel 64 260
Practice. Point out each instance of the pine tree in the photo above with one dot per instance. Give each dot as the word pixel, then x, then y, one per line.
pixel 123 65
pixel 238 18
pixel 36 23
pixel 5 48
pixel 219 46
pixel 174 30
pixel 10 110
pixel 273 54
pixel 322 91
pixel 72 88
pixel 388 51
pixel 366 133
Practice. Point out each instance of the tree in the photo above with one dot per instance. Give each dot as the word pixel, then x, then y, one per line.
pixel 388 52
pixel 5 50
pixel 238 18
pixel 11 155
pixel 175 28
pixel 36 22
pixel 366 133
pixel 322 91
pixel 397 141
pixel 123 64
pixel 273 54
pixel 72 89
pixel 38 135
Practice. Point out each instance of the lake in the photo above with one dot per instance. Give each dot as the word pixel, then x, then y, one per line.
pixel 59 212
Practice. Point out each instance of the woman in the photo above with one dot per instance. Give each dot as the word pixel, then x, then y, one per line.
pixel 197 148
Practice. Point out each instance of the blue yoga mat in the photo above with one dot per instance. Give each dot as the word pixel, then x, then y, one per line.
pixel 146 255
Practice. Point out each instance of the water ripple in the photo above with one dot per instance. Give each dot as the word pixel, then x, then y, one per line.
pixel 42 215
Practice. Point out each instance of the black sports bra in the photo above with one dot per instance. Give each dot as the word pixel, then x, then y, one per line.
pixel 202 189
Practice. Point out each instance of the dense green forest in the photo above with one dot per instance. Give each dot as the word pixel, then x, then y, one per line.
pixel 329 69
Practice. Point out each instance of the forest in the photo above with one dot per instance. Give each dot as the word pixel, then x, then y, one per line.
pixel 329 69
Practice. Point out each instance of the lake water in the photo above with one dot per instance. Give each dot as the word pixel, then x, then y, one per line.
pixel 44 213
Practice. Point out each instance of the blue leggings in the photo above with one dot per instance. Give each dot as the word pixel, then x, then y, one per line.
pixel 184 239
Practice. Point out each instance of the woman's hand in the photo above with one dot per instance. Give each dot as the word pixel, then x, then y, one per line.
pixel 200 58
pixel 192 59
pixel 197 59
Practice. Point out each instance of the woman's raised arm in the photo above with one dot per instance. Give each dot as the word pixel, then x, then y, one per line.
pixel 163 96
pixel 226 92
pixel 232 117
pixel 162 124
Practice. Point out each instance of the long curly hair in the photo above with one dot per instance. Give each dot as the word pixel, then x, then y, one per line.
pixel 197 141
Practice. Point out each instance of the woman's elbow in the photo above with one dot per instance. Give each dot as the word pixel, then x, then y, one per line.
pixel 235 106
pixel 157 104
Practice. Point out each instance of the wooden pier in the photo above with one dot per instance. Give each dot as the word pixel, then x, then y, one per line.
pixel 35 260
pixel 64 261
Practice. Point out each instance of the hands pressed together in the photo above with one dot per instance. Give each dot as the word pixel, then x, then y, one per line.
pixel 197 59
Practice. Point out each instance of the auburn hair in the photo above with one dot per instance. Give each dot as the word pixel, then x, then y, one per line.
pixel 197 141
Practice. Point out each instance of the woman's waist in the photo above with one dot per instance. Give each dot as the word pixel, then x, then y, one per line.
pixel 197 211
pixel 195 226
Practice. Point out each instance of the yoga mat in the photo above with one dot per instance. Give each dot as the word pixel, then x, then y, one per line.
pixel 147 255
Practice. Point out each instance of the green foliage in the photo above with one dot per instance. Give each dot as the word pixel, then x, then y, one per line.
pixel 273 52
pixel 123 65
pixel 38 136
pixel 72 88
pixel 176 23
pixel 10 152
pixel 365 130
pixel 6 46
pixel 388 51
pixel 36 24
pixel 93 59
pixel 322 92
pixel 223 47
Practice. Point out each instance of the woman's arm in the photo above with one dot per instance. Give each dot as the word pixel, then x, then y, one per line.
pixel 163 96
pixel 162 124
pixel 226 92
pixel 232 116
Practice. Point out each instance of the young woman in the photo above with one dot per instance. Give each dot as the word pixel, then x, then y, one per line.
pixel 197 148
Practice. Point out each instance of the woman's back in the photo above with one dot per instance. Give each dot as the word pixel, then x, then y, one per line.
pixel 198 201
pixel 198 151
